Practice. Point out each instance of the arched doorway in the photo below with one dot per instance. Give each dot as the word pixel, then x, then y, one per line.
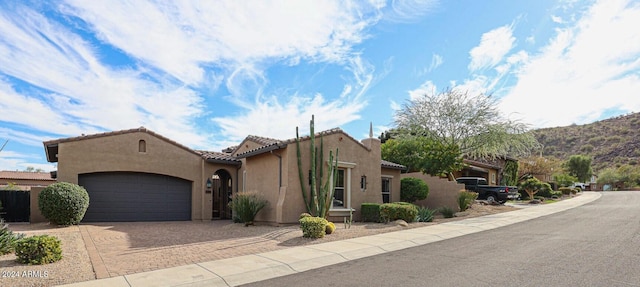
pixel 222 194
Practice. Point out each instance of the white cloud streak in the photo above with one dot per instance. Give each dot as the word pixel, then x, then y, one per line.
pixel 585 69
pixel 494 45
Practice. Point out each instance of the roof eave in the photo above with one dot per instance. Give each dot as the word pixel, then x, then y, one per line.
pixel 223 161
pixel 262 150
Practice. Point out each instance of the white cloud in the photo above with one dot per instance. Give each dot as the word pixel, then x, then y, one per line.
pixel 404 11
pixel 267 116
pixel 74 93
pixel 11 160
pixel 557 19
pixel 180 36
pixel 427 88
pixel 494 45
pixel 272 119
pixel 586 69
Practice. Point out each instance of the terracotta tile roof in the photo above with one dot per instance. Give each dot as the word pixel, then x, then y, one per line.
pixel 273 144
pixel 218 157
pixel 52 144
pixel 262 140
pixel 26 175
pixel 105 134
pixel 392 165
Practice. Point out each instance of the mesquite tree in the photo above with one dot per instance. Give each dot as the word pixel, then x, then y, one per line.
pixel 473 123
pixel 318 199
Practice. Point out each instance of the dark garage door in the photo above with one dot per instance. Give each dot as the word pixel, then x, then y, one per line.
pixel 131 196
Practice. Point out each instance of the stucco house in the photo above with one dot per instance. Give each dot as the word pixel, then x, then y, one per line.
pixel 139 175
pixel 24 180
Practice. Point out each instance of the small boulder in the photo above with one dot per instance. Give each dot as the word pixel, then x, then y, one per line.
pixel 401 223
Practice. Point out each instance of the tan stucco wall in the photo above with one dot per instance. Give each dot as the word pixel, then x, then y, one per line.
pixel 442 192
pixel 286 202
pixel 35 216
pixel 120 153
pixel 262 176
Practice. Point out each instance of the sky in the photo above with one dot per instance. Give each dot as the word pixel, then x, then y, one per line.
pixel 208 73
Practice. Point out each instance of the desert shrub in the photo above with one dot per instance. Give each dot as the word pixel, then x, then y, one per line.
pixel 330 228
pixel 465 199
pixel 7 238
pixel 246 205
pixel 425 214
pixel 39 249
pixel 370 212
pixel 313 227
pixel 63 203
pixel 446 211
pixel 567 190
pixel 412 189
pixel 398 210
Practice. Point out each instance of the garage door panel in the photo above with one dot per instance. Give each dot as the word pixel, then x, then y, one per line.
pixel 128 196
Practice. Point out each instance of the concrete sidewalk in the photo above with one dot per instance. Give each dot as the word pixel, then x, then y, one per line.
pixel 252 268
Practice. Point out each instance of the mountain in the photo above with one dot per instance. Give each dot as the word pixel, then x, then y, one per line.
pixel 611 142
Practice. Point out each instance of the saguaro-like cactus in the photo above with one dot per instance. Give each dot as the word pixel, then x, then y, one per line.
pixel 319 197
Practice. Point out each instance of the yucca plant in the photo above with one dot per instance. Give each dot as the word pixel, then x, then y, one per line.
pixel 7 238
pixel 246 205
pixel 465 199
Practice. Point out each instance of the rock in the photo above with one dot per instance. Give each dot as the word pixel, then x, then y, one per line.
pixel 401 223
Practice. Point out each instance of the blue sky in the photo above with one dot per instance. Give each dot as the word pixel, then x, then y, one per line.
pixel 208 73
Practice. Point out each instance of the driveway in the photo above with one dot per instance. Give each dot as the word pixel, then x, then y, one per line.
pixel 131 247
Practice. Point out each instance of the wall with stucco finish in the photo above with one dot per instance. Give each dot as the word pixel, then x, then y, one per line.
pixel 120 152
pixel 286 201
pixel 442 192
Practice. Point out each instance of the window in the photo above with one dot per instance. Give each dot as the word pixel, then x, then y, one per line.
pixel 142 146
pixel 339 199
pixel 386 190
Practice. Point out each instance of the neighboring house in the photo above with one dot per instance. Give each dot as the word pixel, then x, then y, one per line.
pixel 490 169
pixel 139 175
pixel 24 180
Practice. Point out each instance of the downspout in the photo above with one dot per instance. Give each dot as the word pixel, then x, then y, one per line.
pixel 279 170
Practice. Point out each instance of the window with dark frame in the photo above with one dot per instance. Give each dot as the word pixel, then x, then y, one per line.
pixel 339 199
pixel 386 190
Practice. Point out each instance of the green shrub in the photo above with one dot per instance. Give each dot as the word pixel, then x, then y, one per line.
pixel 567 190
pixel 465 199
pixel 63 203
pixel 412 189
pixel 330 228
pixel 398 210
pixel 425 214
pixel 246 205
pixel 313 227
pixel 370 212
pixel 7 238
pixel 39 249
pixel 447 212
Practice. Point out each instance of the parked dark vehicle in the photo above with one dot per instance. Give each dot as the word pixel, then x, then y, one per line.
pixel 489 192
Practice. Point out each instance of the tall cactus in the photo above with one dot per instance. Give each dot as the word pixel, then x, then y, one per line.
pixel 319 198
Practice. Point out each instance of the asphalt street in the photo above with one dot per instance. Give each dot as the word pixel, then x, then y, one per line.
pixel 597 244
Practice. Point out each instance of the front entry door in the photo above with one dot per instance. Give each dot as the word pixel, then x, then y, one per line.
pixel 221 195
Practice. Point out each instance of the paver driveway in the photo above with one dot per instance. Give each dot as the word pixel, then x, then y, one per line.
pixel 130 247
